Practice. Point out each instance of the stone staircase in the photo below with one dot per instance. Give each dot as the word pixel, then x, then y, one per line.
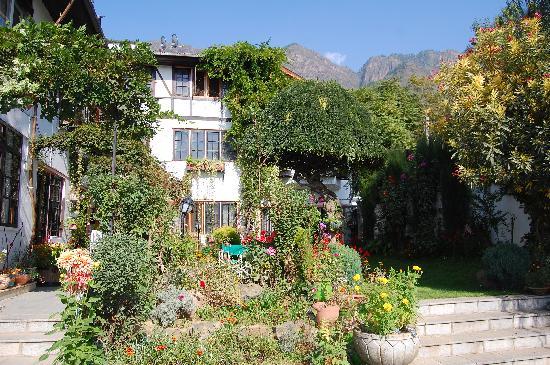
pixel 510 330
pixel 24 323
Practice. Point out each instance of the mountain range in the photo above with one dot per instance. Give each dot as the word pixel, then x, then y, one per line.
pixel 312 65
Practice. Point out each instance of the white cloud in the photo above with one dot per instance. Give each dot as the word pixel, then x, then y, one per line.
pixel 336 57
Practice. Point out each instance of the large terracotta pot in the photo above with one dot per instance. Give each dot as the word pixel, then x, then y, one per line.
pixel 22 279
pixel 394 349
pixel 4 281
pixel 326 313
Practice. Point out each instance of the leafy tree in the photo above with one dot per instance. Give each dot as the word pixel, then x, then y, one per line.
pixel 316 128
pixel 252 74
pixel 395 109
pixel 497 99
pixel 516 10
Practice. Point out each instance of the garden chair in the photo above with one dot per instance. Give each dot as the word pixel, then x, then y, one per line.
pixel 233 254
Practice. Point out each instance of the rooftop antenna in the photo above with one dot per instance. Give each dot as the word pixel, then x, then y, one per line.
pixel 163 43
pixel 174 40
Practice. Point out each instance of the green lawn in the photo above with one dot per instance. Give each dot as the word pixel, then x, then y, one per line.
pixel 442 278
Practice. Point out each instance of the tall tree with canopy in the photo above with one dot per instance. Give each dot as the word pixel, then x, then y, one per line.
pixel 497 99
pixel 317 129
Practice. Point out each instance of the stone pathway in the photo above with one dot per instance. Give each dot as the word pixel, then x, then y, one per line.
pixel 510 330
pixel 24 321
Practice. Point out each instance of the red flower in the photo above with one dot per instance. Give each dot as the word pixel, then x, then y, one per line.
pixel 160 348
pixel 130 351
pixel 200 352
pixel 538 15
pixel 385 193
pixel 202 284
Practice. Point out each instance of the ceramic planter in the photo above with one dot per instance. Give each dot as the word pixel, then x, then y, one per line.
pixel 22 279
pixel 326 313
pixel 393 349
pixel 4 281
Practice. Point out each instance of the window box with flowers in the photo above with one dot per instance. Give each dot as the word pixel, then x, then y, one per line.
pixel 387 316
pixel 210 166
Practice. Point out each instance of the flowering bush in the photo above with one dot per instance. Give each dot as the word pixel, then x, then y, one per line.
pixel 390 305
pixel 76 270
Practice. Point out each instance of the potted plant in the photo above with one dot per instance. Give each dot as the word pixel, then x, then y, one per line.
pixel 45 256
pixel 326 307
pixel 386 334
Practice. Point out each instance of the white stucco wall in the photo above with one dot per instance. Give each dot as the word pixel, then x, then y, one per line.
pixel 517 222
pixel 21 121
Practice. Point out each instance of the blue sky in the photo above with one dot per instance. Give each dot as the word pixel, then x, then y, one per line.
pixel 347 31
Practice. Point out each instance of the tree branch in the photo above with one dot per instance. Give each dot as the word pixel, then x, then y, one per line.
pixel 64 13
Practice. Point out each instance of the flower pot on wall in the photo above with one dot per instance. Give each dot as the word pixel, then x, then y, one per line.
pixel 394 349
pixel 326 313
pixel 22 279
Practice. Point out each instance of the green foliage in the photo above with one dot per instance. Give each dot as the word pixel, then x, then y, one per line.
pixel 348 258
pixel 125 275
pixel 177 250
pixel 274 306
pixel 81 329
pixel 226 235
pixel 315 128
pixel 227 346
pixel 305 257
pixel 253 75
pixel 391 302
pixel 497 102
pixel 323 292
pixel 506 264
pixel 394 109
pixel 66 70
pixel 516 10
pixel 132 203
pixel 331 347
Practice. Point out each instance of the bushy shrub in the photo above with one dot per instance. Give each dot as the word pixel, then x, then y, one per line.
pixel 347 258
pixel 177 249
pixel 306 260
pixel 226 235
pixel 173 303
pixel 125 275
pixel 507 264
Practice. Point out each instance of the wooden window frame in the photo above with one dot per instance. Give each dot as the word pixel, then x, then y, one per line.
pixel 51 175
pixel 221 149
pixel 200 207
pixel 14 200
pixel 206 85
pixel 189 83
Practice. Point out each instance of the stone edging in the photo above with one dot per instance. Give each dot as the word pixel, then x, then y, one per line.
pixel 17 290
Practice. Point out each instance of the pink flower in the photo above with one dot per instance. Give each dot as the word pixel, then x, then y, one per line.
pixel 410 157
pixel 181 296
pixel 336 254
pixel 271 251
pixel 538 15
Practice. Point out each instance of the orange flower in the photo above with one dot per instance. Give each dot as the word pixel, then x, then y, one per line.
pixel 130 351
pixel 200 352
pixel 160 347
pixel 174 339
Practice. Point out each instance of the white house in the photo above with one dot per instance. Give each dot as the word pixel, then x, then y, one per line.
pixel 21 221
pixel 183 89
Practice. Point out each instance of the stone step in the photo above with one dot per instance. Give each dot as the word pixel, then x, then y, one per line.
pixel 484 321
pixel 483 341
pixel 25 360
pixel 26 343
pixel 27 325
pixel 536 356
pixel 508 303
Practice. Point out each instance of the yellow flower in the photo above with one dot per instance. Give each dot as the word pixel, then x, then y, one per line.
pixel 96 264
pixel 383 280
pixel 383 295
pixel 417 268
pixel 62 276
pixel 387 307
pixel 405 301
pixel 357 288
pixel 356 277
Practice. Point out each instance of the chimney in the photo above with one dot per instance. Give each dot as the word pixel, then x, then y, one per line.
pixel 174 41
